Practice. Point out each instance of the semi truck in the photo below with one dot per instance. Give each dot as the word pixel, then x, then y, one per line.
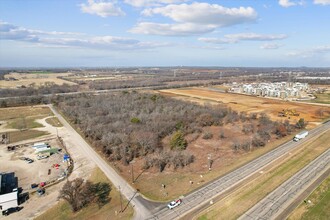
pixel 301 135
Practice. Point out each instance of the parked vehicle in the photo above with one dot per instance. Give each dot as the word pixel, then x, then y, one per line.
pixel 34 185
pixel 11 210
pixel 174 203
pixel 40 157
pixel 28 160
pixel 301 135
pixel 40 191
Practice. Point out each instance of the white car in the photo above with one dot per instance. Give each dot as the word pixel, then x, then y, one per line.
pixel 174 203
pixel 40 157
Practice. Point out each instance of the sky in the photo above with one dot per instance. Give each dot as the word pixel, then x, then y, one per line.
pixel 127 33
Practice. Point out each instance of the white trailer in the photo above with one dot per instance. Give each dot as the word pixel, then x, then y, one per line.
pixel 301 135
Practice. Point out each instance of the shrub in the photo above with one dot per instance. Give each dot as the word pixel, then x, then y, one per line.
pixel 135 120
pixel 207 135
pixel 177 141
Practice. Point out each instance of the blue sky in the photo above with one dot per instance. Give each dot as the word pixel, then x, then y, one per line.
pixel 115 33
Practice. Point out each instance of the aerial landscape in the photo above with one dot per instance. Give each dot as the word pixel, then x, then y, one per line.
pixel 164 109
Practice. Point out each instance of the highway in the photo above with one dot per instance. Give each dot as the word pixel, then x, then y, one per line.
pixel 223 184
pixel 273 205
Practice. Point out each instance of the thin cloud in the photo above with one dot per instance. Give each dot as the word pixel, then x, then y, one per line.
pixel 60 39
pixel 289 3
pixel 270 46
pixel 322 2
pixel 235 38
pixel 149 3
pixel 313 52
pixel 102 8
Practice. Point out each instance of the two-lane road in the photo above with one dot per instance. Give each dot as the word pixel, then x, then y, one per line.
pixel 139 204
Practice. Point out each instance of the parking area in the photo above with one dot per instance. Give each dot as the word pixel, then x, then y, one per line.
pixel 35 166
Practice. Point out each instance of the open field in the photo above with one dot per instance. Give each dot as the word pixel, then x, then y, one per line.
pixel 98 77
pixel 62 211
pixel 15 80
pixel 319 208
pixel 245 197
pixel 16 136
pixel 21 122
pixel 249 104
pixel 54 122
pixel 26 111
pixel 323 98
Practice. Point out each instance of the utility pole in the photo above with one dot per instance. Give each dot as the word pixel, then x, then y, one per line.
pixel 132 171
pixel 121 200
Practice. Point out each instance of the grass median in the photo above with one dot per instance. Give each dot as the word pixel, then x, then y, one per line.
pixel 318 208
pixel 245 197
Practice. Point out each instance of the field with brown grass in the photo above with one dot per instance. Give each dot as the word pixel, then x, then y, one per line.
pixel 32 79
pixel 246 103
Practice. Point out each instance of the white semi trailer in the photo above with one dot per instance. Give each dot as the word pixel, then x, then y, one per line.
pixel 301 135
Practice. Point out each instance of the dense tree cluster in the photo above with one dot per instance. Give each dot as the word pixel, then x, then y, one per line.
pixel 79 193
pixel 49 88
pixel 126 125
pixel 129 125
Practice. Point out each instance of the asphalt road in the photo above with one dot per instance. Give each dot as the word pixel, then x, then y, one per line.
pixel 221 185
pixel 276 202
pixel 141 206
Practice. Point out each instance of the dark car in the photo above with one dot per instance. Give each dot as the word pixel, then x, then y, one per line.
pixel 40 191
pixel 11 210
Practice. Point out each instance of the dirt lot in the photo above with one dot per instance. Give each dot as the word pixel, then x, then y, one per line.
pixel 249 104
pixel 27 79
pixel 37 171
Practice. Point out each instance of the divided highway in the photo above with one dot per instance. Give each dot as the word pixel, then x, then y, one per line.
pixel 212 190
pixel 276 203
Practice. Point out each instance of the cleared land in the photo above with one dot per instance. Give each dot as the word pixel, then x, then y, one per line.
pixel 250 104
pixel 14 80
pixel 319 208
pixel 54 122
pixel 62 211
pixel 245 197
pixel 20 123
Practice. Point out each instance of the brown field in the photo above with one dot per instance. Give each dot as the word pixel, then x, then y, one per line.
pixel 246 103
pixel 36 79
pixel 97 77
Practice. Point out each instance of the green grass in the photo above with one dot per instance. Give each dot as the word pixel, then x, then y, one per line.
pixel 319 209
pixel 16 136
pixel 54 122
pixel 323 98
pixel 62 210
pixel 24 123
